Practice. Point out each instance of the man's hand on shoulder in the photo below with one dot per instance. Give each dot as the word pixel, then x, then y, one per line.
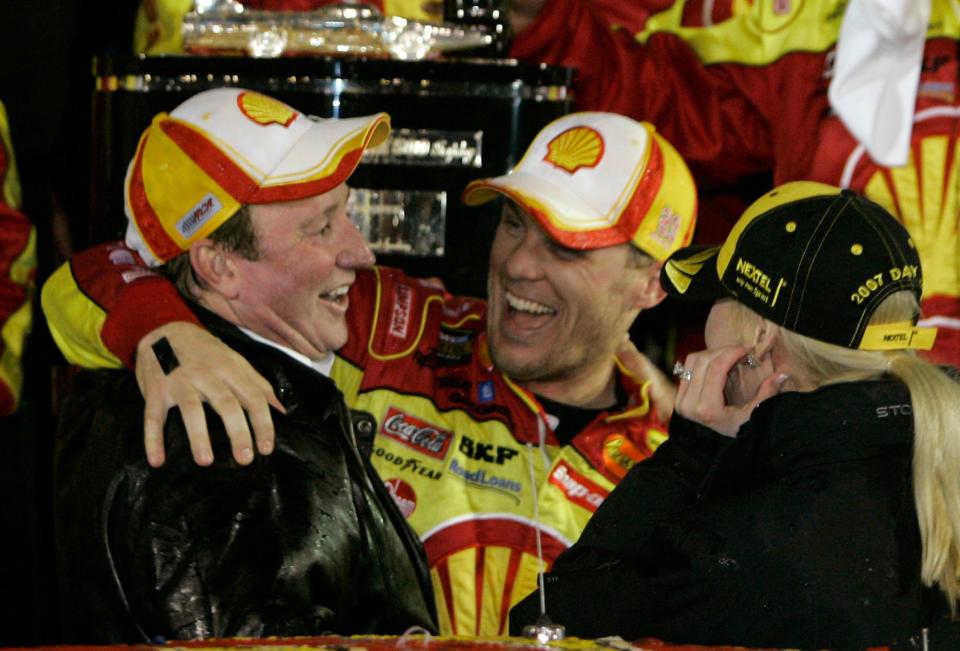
pixel 182 365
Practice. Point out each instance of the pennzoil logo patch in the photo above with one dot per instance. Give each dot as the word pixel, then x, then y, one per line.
pixel 575 148
pixel 265 110
pixel 620 455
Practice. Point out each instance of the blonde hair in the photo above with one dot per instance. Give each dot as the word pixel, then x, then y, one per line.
pixel 935 398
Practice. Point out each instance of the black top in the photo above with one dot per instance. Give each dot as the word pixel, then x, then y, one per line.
pixel 303 541
pixel 802 532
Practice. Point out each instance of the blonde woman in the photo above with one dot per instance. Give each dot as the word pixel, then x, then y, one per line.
pixel 809 494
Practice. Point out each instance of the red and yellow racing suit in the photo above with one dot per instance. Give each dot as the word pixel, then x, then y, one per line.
pixel 463 450
pixel 18 268
pixel 749 95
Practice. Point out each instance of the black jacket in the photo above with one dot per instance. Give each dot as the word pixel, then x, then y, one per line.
pixel 802 532
pixel 303 541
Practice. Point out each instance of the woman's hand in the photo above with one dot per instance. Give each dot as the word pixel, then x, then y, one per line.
pixel 701 398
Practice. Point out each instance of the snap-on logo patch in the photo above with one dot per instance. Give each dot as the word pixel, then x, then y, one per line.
pixel 576 487
pixel 198 215
pixel 416 434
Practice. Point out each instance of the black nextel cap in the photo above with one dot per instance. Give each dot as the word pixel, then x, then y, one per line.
pixel 815 259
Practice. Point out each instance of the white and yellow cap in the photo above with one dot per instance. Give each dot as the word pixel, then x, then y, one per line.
pixel 599 179
pixel 228 147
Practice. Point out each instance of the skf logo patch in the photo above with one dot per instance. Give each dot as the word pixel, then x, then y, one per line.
pixel 400 316
pixel 416 434
pixel 575 148
pixel 198 215
pixel 576 487
pixel 265 110
pixel 488 452
pixel 403 494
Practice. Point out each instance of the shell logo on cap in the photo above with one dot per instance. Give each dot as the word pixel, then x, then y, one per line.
pixel 575 148
pixel 265 110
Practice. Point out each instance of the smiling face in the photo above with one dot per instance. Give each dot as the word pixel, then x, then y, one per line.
pixel 556 314
pixel 295 292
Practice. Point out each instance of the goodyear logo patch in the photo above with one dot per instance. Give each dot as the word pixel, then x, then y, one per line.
pixel 198 215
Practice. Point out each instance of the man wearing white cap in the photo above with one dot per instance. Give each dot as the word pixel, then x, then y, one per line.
pixel 242 198
pixel 499 426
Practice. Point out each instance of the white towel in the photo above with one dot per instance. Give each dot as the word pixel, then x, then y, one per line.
pixel 876 74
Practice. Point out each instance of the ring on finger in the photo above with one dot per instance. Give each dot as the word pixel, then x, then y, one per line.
pixel 682 372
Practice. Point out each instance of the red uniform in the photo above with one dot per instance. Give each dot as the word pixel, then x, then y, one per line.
pixel 749 95
pixel 18 268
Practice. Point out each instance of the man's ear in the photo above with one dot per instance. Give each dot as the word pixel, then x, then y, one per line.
pixel 647 291
pixel 214 267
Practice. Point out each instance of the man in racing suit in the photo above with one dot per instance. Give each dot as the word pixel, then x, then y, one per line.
pixel 18 268
pixel 494 422
pixel 750 94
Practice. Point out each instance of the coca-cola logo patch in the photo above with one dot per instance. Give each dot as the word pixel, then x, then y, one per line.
pixel 403 494
pixel 415 433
